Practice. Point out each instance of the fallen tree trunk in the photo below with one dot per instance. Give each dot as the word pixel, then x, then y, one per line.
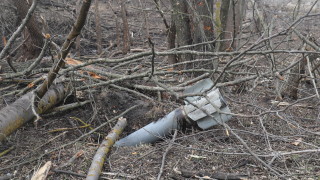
pixel 12 117
pixel 15 115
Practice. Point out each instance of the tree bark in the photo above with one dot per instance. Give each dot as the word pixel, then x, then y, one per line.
pixel 78 42
pixel 171 42
pixel 126 36
pixel 34 42
pixel 98 27
pixel 203 24
pixel 203 27
pixel 224 11
pixel 231 16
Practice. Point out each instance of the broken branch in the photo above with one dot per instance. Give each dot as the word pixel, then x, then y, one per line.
pixel 98 159
pixel 75 31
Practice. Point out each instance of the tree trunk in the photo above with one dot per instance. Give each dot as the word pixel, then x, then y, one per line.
pixel 182 23
pixel 231 16
pixel 260 16
pixel 293 81
pixel 32 46
pixel 126 37
pixel 98 27
pixel 171 42
pixel 203 24
pixel 78 42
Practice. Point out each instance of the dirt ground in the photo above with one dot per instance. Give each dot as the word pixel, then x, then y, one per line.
pixel 269 130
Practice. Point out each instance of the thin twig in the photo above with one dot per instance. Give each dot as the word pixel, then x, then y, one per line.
pixel 161 14
pixel 312 77
pixel 152 57
pixel 165 154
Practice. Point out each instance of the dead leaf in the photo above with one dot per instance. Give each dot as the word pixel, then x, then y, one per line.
pixel 207 28
pixel 80 153
pixel 79 94
pixel 94 75
pixel 229 49
pixel 4 40
pixel 73 62
pixel 279 76
pixel 200 3
pixel 297 142
pixel 30 85
pixel 170 69
pixel 47 36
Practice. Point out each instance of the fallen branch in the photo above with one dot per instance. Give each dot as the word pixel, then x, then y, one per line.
pixel 98 160
pixel 6 152
pixel 72 159
pixel 66 107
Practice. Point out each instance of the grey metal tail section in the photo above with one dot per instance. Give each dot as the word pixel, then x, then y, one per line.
pixel 153 131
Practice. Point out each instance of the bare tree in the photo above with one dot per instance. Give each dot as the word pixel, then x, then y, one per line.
pixel 182 22
pixel 126 35
pixel 203 24
pixel 197 22
pixel 232 13
pixel 98 27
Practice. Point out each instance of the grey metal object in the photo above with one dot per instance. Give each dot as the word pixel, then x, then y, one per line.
pixel 216 103
pixel 213 104
pixel 154 131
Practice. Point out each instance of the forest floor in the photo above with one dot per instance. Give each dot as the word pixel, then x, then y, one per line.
pixel 293 129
